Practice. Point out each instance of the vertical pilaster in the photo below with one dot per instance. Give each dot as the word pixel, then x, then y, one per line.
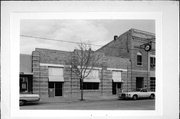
pixel 36 71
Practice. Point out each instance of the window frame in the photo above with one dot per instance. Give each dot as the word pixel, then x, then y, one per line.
pixel 152 62
pixel 139 63
pixel 90 85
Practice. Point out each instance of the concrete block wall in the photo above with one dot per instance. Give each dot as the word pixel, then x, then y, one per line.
pixel 106 82
pixel 40 76
pixel 36 71
pixel 43 80
pixel 126 85
pixel 71 84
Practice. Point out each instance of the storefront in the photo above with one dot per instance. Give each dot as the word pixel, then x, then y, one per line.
pixel 56 80
pixel 53 78
pixel 116 82
pixel 26 75
pixel 25 83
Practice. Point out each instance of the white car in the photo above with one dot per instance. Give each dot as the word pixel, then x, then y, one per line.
pixel 25 98
pixel 142 93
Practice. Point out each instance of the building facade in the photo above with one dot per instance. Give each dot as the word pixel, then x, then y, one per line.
pixel 132 45
pixel 127 65
pixel 52 77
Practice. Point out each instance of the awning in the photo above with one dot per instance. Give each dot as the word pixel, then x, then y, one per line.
pixel 93 76
pixel 91 80
pixel 56 74
pixel 116 76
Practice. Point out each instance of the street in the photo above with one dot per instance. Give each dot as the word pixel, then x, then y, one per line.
pixel 146 104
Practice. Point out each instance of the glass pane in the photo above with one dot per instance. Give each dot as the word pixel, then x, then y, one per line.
pixel 51 85
pixel 58 85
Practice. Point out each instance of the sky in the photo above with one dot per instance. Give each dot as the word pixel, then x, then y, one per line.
pixel 55 32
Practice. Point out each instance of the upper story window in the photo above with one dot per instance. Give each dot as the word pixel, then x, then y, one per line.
pixel 139 58
pixel 152 62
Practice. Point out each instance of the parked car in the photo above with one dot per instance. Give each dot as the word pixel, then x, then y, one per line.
pixel 142 93
pixel 28 98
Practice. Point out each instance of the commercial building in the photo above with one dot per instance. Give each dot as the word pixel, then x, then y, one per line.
pixel 52 76
pixel 127 66
pixel 139 47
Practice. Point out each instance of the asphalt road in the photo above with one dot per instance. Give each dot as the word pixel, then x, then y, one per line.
pixel 145 104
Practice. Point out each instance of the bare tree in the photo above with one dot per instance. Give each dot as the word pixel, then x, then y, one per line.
pixel 83 60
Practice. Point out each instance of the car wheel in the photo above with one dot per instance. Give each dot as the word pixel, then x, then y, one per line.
pixel 21 102
pixel 152 96
pixel 135 97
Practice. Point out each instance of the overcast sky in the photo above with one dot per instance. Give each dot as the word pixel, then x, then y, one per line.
pixel 97 32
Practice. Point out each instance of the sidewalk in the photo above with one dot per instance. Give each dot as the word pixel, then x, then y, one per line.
pixel 77 99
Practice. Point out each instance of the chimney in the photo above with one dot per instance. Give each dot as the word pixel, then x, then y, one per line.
pixel 115 37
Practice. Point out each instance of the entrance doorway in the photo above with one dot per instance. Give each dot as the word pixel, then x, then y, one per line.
pixel 116 86
pixel 55 89
pixel 139 83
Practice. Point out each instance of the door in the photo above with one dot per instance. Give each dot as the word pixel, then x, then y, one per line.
pixel 55 89
pixel 113 88
pixel 51 89
pixel 58 89
pixel 139 83
pixel 116 87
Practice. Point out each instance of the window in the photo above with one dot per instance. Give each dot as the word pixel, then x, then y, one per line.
pixel 152 62
pixel 139 58
pixel 152 83
pixel 116 76
pixel 56 74
pixel 91 82
pixel 93 76
pixel 23 84
pixel 90 85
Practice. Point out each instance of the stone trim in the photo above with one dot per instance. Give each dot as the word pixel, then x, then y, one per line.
pixel 53 65
pixel 115 69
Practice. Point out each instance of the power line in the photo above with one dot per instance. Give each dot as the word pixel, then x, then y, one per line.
pixel 50 39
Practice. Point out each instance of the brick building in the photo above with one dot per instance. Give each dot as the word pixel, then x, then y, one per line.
pixel 53 77
pixel 131 45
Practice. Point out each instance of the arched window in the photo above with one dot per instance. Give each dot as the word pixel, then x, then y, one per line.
pixel 139 58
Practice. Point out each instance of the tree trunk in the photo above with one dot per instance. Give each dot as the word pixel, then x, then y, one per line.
pixel 81 88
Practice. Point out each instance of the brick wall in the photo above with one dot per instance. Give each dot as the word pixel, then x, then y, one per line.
pixel 118 47
pixel 129 43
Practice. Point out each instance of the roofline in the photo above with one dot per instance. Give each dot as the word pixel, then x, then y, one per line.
pixel 143 32
pixel 111 41
pixel 36 49
pixel 132 29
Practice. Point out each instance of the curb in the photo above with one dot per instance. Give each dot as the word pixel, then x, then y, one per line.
pixel 76 100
